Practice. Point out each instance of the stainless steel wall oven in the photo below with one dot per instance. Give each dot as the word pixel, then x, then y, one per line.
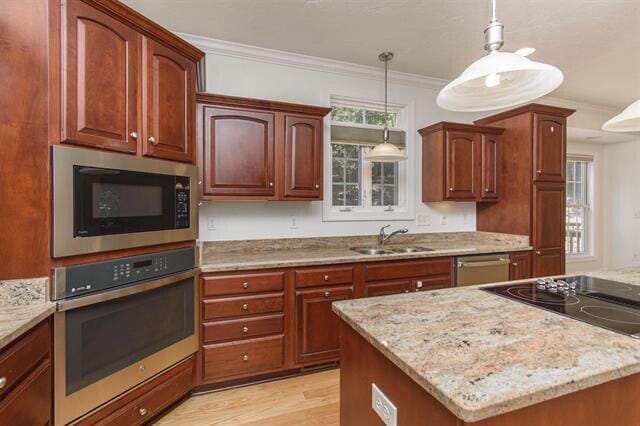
pixel 104 201
pixel 118 323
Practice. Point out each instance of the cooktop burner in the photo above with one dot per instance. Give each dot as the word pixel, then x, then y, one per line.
pixel 603 303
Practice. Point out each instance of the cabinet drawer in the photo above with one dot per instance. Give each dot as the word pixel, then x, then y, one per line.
pixel 239 284
pixel 23 356
pixel 30 403
pixel 218 331
pixel 245 357
pixel 236 306
pixel 324 276
pixel 400 270
pixel 155 399
pixel 431 283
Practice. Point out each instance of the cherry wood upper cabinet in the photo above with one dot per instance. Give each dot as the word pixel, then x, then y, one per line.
pixel 251 149
pixel 238 152
pixel 549 148
pixel 490 149
pixel 170 90
pixel 460 162
pixel 101 80
pixel 303 157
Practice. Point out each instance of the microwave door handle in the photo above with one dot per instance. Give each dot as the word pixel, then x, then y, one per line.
pixel 92 299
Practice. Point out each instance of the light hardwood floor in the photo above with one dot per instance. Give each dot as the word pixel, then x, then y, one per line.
pixel 312 399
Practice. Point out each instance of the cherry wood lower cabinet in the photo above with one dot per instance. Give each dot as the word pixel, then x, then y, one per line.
pixel 520 267
pixel 145 402
pixel 386 278
pixel 26 375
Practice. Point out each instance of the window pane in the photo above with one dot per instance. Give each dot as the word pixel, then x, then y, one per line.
pixel 352 195
pixel 348 115
pixel 377 118
pixel 578 165
pixel 570 167
pixel 337 150
pixel 376 173
pixel 337 170
pixel 579 193
pixel 352 151
pixel 338 195
pixel 352 168
pixel 389 175
pixel 571 193
pixel 376 195
pixel 389 195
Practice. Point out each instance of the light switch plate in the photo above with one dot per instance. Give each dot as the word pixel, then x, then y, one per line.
pixel 293 222
pixel 211 223
pixel 424 220
pixel 383 406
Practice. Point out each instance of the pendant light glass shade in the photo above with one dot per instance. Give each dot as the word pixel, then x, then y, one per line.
pixel 499 80
pixel 386 153
pixel 627 121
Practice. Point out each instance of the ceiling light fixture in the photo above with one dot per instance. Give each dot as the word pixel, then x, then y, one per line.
pixel 627 121
pixel 385 152
pixel 499 79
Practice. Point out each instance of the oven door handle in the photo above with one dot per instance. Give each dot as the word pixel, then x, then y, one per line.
pixel 92 299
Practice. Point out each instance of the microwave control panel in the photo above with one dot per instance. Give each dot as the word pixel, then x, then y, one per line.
pixel 97 276
pixel 183 200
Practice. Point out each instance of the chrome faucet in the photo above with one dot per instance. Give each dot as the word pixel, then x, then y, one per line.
pixel 383 237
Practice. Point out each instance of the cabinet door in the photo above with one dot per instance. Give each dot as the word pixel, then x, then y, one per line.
pixel 101 80
pixel 385 288
pixel 550 151
pixel 238 153
pixel 170 104
pixel 520 266
pixel 489 171
pixel 317 327
pixel 548 228
pixel 460 165
pixel 303 157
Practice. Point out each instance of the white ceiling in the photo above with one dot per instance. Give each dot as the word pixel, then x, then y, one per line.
pixel 596 43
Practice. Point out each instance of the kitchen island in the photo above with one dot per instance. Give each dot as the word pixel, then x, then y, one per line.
pixel 465 356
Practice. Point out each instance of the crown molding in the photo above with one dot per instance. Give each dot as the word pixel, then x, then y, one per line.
pixel 297 60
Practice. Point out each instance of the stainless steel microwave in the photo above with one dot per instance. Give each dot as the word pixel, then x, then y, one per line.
pixel 104 201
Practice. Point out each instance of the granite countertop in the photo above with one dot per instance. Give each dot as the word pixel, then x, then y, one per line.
pixel 23 304
pixel 482 355
pixel 218 256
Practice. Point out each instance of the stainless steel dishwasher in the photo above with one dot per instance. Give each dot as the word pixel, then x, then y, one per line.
pixel 481 269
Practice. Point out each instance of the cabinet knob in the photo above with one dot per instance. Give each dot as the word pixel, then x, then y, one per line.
pixel 553 129
pixel 419 284
pixel 152 140
pixel 134 135
pixel 317 186
pixel 515 263
pixel 245 307
pixel 245 285
pixel 538 171
pixel 538 252
pixel 406 291
pixel 143 411
pixel 326 277
pixel 451 189
pixel 141 368
pixel 327 294
pixel 3 382
pixel 486 190
pixel 270 184
pixel 245 357
pixel 245 329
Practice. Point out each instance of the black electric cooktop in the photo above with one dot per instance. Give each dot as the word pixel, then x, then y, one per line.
pixel 603 303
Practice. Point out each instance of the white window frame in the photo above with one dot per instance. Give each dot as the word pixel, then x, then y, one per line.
pixel 589 227
pixel 406 171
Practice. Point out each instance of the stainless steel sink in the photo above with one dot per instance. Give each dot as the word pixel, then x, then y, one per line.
pixel 370 250
pixel 410 249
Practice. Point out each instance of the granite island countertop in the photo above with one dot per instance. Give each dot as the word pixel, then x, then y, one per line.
pixel 23 304
pixel 219 256
pixel 482 355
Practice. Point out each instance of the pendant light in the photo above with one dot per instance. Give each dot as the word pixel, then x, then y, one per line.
pixel 499 79
pixel 627 121
pixel 385 152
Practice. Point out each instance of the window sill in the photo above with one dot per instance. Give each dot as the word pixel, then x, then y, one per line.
pixel 365 215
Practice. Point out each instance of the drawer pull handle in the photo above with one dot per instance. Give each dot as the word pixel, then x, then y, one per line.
pixel 327 294
pixel 326 277
pixel 245 307
pixel 245 329
pixel 245 285
pixel 141 368
pixel 245 357
pixel 3 382
pixel 143 411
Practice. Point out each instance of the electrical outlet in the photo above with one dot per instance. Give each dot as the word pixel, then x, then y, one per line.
pixel 383 407
pixel 293 222
pixel 443 219
pixel 211 223
pixel 424 220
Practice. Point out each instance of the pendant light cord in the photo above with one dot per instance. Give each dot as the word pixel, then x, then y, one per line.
pixel 386 115
pixel 493 10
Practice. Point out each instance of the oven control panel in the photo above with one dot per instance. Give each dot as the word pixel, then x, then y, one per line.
pixel 183 189
pixel 79 280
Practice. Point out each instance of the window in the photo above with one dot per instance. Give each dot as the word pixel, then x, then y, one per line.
pixel 578 226
pixel 360 189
